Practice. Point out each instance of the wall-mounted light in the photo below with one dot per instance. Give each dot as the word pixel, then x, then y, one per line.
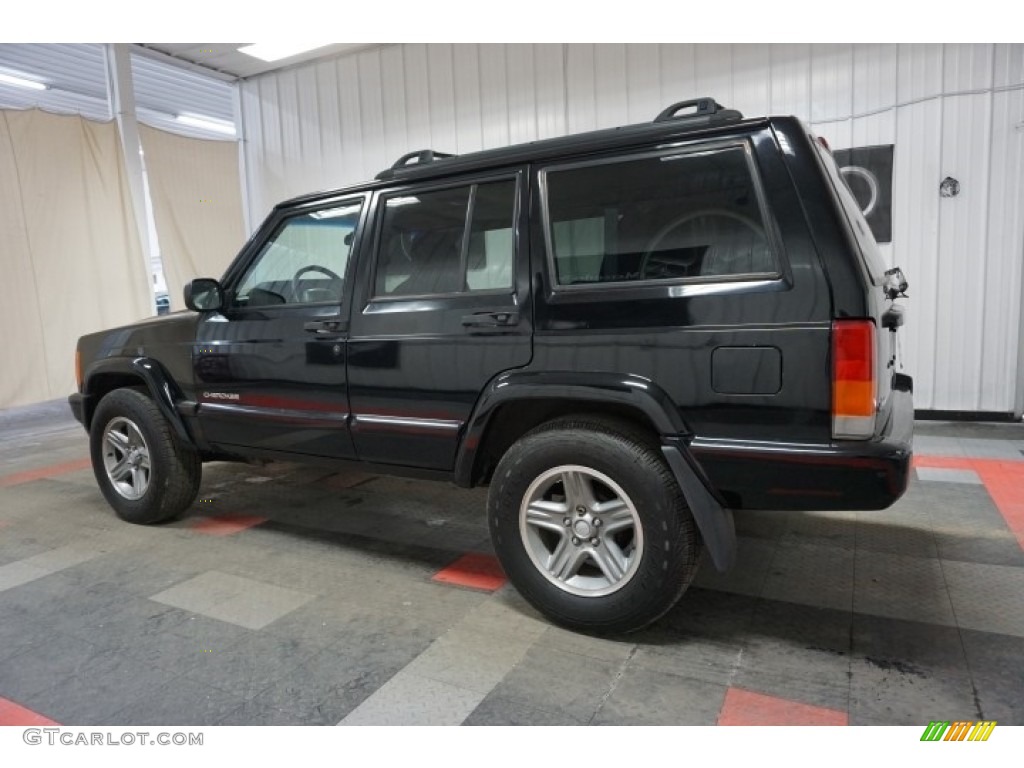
pixel 22 82
pixel 206 123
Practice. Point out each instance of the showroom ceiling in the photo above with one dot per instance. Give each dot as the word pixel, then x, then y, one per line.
pixel 227 59
pixel 75 82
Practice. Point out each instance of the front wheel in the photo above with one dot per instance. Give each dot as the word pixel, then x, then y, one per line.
pixel 145 472
pixel 590 525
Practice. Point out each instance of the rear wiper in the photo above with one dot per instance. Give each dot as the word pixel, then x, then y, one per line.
pixel 896 284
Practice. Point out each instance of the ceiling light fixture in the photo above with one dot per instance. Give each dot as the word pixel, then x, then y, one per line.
pixel 278 51
pixel 206 123
pixel 22 82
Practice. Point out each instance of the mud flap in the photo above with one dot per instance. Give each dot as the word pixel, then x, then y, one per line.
pixel 715 522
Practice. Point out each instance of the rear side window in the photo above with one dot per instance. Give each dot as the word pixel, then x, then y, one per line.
pixel 446 241
pixel 694 215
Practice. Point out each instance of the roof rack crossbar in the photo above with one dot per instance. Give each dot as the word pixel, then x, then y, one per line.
pixel 702 108
pixel 419 157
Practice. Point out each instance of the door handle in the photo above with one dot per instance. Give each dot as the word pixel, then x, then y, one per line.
pixel 491 318
pixel 326 327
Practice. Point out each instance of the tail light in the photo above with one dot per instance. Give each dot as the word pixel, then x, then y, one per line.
pixel 854 379
pixel 78 368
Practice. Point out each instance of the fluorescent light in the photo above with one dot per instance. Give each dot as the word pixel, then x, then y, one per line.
pixel 207 123
pixel 277 51
pixel 22 82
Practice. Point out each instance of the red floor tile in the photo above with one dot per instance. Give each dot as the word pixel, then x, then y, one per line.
pixel 1004 481
pixel 748 708
pixel 15 714
pixel 225 526
pixel 41 472
pixel 475 571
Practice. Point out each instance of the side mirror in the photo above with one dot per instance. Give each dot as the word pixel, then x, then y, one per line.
pixel 204 294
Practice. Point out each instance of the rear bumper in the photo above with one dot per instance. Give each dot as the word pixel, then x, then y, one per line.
pixel 843 475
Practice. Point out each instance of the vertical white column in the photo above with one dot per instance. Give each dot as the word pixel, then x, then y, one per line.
pixel 121 96
pixel 243 166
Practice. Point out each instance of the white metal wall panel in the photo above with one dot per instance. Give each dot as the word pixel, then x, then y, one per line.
pixel 949 109
pixel 962 259
pixel 1003 278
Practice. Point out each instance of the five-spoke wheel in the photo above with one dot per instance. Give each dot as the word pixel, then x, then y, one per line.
pixel 590 524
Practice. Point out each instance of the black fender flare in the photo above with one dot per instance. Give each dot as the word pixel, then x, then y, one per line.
pixel 161 386
pixel 713 518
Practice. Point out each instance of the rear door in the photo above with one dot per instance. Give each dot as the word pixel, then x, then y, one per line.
pixel 442 307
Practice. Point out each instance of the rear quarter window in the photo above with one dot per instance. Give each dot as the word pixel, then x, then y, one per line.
pixel 677 216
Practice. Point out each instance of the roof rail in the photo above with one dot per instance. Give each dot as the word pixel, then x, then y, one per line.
pixel 421 157
pixel 704 109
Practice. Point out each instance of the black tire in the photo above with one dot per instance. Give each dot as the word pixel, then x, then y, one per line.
pixel 175 469
pixel 670 543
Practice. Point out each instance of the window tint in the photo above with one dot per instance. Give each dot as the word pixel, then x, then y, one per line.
pixel 657 218
pixel 304 262
pixel 424 248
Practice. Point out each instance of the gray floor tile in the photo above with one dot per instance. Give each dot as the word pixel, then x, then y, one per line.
pixel 250 666
pixel 257 714
pixel 708 658
pixel 747 577
pixel 100 687
pixel 902 670
pixel 234 599
pixel 178 703
pixel 821 576
pixel 989 598
pixel 645 697
pixel 500 710
pixel 902 587
pixel 52 663
pixel 606 649
pixel 554 680
pixel 408 699
pixel 991 549
pixel 996 665
pixel 915 539
pixel 944 475
pixel 890 694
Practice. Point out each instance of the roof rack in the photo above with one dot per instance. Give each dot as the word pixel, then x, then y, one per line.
pixel 421 157
pixel 704 109
pixel 692 113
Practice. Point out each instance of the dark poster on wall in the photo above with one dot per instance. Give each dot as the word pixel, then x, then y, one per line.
pixel 868 172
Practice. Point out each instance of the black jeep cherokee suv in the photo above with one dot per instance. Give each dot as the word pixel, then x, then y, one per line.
pixel 628 334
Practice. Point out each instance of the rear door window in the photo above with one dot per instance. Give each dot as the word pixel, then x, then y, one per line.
pixel 447 241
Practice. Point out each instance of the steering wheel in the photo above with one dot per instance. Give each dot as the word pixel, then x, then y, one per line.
pixel 312 268
pixel 651 268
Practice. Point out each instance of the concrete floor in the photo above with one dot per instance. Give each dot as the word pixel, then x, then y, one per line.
pixel 292 595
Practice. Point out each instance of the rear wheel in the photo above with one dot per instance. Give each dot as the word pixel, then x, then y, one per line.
pixel 590 525
pixel 146 473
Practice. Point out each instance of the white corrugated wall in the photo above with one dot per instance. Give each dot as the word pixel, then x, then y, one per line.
pixel 951 110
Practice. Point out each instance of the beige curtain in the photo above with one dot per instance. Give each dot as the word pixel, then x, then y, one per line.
pixel 197 203
pixel 70 258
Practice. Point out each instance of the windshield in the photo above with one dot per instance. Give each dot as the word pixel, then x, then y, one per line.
pixel 870 254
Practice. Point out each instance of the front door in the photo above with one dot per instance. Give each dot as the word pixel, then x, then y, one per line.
pixel 270 368
pixel 442 308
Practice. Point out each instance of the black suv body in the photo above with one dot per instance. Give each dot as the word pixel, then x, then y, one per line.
pixel 629 335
